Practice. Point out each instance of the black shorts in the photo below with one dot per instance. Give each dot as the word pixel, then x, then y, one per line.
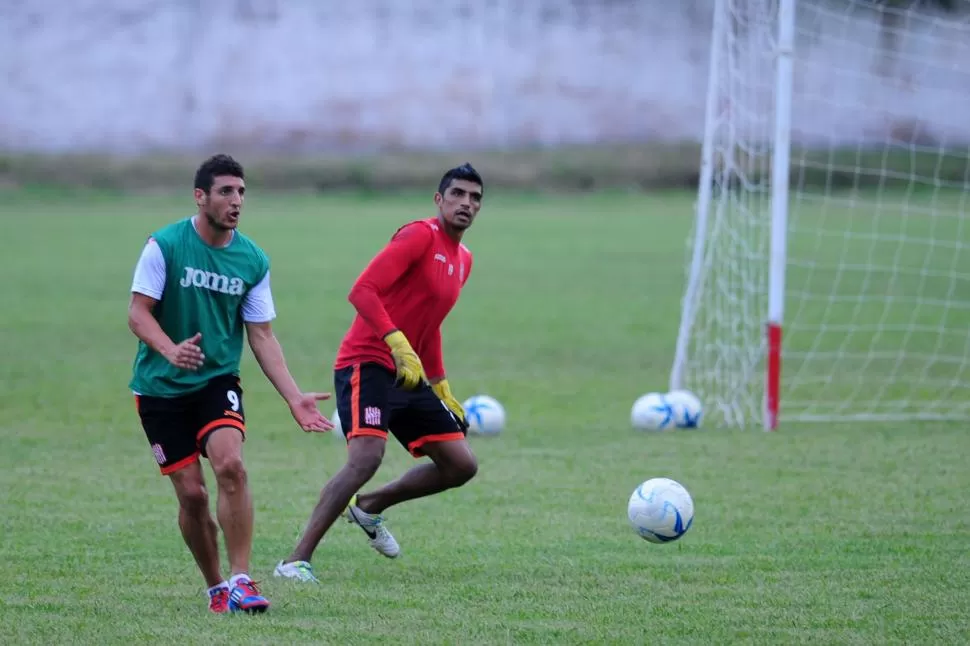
pixel 179 427
pixel 368 403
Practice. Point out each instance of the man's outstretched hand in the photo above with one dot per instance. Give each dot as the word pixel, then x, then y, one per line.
pixel 307 415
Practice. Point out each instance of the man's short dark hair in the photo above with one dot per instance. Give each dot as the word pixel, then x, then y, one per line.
pixel 214 167
pixel 464 172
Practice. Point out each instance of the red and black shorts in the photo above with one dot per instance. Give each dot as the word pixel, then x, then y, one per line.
pixel 179 427
pixel 368 403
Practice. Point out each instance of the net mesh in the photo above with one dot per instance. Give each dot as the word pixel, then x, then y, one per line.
pixel 877 299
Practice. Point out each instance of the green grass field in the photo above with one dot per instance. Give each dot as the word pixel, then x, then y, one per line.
pixel 835 534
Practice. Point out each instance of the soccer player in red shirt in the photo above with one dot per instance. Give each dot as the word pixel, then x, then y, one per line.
pixel 390 377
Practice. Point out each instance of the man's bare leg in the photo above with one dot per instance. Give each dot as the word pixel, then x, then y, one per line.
pixel 198 527
pixel 453 464
pixel 235 504
pixel 235 511
pixel 364 456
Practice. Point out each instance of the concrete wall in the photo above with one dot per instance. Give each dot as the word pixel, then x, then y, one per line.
pixel 304 75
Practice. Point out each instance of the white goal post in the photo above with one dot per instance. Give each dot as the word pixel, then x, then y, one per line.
pixel 832 205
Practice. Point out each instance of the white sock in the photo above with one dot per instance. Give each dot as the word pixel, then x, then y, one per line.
pixel 217 586
pixel 236 578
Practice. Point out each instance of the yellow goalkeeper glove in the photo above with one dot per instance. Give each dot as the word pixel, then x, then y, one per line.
pixel 410 373
pixel 443 391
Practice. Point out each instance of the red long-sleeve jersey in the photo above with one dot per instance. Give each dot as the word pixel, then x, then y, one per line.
pixel 410 285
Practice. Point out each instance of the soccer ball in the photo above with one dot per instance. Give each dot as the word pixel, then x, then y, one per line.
pixel 485 416
pixel 660 510
pixel 338 428
pixel 686 407
pixel 651 412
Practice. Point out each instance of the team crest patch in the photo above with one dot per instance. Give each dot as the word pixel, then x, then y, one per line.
pixel 372 416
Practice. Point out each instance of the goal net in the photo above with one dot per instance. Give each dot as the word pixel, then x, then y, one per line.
pixel 831 216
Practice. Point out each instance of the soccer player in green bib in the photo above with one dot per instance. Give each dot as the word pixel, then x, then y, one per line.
pixel 198 284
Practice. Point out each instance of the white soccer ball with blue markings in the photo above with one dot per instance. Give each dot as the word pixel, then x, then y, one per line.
pixel 687 408
pixel 652 412
pixel 484 414
pixel 661 510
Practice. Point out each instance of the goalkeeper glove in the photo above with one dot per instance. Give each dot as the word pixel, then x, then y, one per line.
pixel 410 373
pixel 443 391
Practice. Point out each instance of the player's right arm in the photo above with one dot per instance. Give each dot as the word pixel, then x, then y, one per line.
pixel 380 274
pixel 147 288
pixel 383 271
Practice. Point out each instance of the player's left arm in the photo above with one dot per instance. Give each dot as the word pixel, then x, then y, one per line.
pixel 258 312
pixel 435 366
pixel 432 359
pixel 435 371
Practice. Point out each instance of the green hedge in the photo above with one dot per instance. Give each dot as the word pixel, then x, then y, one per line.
pixel 564 169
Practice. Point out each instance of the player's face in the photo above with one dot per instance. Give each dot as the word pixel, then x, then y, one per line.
pixel 459 204
pixel 224 202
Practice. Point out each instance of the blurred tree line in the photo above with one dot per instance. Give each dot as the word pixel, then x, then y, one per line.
pixel 945 5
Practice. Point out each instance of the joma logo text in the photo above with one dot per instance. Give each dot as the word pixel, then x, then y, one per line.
pixel 209 280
